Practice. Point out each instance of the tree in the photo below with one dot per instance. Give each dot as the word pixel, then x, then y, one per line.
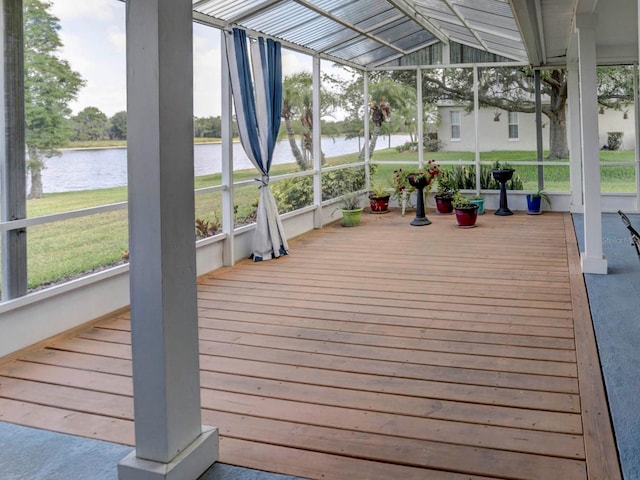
pixel 505 88
pixel 90 124
pixel 117 126
pixel 297 105
pixel 512 89
pixel 385 95
pixel 50 84
pixel 207 127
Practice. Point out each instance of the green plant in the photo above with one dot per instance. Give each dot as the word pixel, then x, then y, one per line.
pixel 542 194
pixel 379 189
pixel 614 140
pixel 350 202
pixel 446 184
pixel 430 172
pixel 460 201
pixel 206 228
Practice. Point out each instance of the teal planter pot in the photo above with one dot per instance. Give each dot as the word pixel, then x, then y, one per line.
pixel 480 203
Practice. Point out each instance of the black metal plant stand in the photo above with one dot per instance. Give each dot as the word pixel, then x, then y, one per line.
pixel 420 219
pixel 503 175
pixel 419 182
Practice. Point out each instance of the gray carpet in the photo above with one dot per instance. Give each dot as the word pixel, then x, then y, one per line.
pixel 33 454
pixel 615 308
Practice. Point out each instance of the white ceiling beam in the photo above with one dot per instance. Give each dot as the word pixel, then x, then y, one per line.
pixel 420 19
pixel 252 11
pixel 222 25
pixel 348 25
pixel 456 11
pixel 528 17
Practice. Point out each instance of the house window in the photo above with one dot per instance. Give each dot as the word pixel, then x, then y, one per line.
pixel 455 125
pixel 513 126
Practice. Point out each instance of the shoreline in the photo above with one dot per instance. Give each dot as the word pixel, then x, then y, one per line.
pixel 108 147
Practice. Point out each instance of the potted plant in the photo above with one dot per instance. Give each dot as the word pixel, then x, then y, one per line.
pixel 444 193
pixel 402 189
pixel 351 210
pixel 534 202
pixel 421 180
pixel 379 197
pixel 466 212
pixel 478 200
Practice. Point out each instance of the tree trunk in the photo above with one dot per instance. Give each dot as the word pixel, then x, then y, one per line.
pixel 558 146
pixel 36 183
pixel 372 143
pixel 297 154
pixel 35 166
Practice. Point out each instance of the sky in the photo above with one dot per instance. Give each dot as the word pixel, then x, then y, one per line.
pixel 93 35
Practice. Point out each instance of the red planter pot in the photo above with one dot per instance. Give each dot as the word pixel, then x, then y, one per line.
pixel 379 204
pixel 466 217
pixel 443 204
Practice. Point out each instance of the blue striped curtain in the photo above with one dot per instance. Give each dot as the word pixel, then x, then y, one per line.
pixel 257 97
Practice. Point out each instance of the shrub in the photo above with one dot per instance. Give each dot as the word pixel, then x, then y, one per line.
pixel 614 140
pixel 463 177
pixel 294 193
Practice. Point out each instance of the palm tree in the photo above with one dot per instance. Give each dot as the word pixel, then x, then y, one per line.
pixel 386 94
pixel 297 104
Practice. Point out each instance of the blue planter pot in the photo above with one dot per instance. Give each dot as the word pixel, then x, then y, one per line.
pixel 533 204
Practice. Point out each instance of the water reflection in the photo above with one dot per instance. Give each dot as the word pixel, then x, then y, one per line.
pixel 104 168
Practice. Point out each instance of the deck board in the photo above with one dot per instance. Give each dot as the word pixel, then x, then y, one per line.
pixel 382 351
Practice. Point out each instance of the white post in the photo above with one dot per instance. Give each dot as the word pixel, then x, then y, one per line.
pixel 317 151
pixel 476 117
pixel 575 149
pixel 228 215
pixel 592 259
pixel 367 140
pixel 170 440
pixel 420 115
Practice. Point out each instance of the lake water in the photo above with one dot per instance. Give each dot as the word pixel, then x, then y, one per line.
pixel 103 168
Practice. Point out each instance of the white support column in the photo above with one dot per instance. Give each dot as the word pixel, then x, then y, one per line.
pixel 367 140
pixel 575 149
pixel 171 443
pixel 228 214
pixel 420 118
pixel 446 54
pixel 12 150
pixel 317 150
pixel 592 259
pixel 476 121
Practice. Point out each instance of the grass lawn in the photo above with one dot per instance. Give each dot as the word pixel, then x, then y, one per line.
pixel 556 177
pixel 64 249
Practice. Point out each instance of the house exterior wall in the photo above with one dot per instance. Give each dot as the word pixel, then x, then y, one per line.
pixel 494 135
pixel 614 121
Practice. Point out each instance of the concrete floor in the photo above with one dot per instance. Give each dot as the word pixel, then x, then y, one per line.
pixel 32 454
pixel 615 309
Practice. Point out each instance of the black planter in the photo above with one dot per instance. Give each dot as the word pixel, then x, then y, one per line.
pixel 503 175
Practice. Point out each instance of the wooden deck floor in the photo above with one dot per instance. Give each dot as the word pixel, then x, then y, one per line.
pixel 383 351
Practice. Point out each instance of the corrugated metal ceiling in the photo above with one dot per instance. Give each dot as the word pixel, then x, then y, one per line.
pixel 369 33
